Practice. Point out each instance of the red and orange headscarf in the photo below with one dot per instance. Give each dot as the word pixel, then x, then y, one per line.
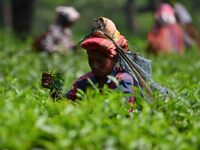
pixel 98 41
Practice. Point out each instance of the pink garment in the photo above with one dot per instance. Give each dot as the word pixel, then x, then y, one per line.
pixel 166 39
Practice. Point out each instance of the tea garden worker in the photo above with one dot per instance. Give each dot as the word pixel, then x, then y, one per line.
pixel 166 35
pixel 105 60
pixel 191 34
pixel 58 38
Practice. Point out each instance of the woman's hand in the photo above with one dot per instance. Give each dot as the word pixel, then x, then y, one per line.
pixel 46 80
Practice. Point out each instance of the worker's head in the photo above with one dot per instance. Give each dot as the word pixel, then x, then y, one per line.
pixel 66 15
pixel 102 53
pixel 165 15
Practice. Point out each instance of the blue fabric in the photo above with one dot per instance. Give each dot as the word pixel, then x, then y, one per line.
pixel 124 79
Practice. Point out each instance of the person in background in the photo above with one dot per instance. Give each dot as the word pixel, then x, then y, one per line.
pixel 191 35
pixel 58 38
pixel 166 35
pixel 104 61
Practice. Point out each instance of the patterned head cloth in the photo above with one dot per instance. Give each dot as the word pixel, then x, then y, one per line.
pixel 70 12
pixel 165 14
pixel 98 41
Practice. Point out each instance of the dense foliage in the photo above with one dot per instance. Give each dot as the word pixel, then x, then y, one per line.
pixel 29 119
